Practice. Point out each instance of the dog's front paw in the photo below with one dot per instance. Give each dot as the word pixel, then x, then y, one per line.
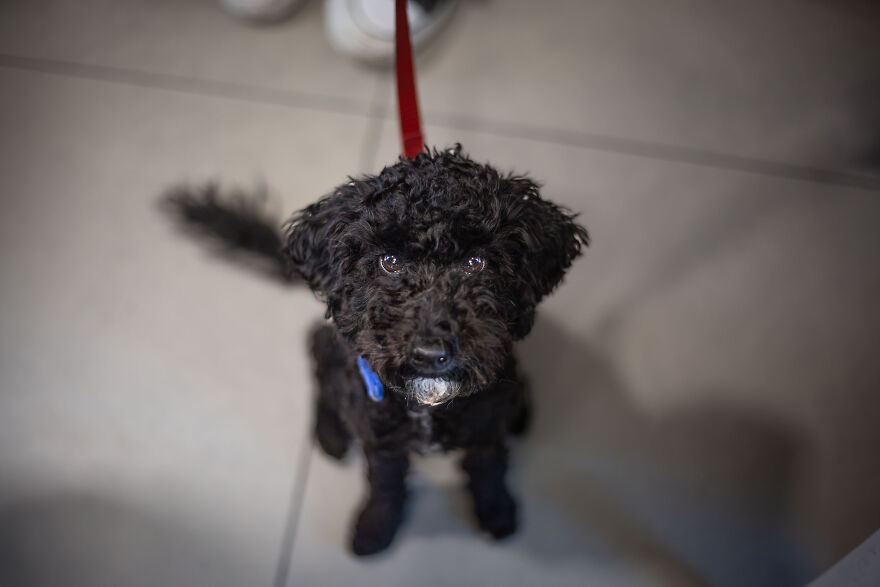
pixel 376 526
pixel 331 433
pixel 498 515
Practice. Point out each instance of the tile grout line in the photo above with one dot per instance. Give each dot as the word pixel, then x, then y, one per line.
pixel 339 105
pixel 657 151
pixel 187 85
pixel 291 524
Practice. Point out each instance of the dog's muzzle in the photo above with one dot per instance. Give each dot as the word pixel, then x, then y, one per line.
pixel 431 391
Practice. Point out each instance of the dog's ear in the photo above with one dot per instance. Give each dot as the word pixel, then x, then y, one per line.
pixel 317 241
pixel 547 237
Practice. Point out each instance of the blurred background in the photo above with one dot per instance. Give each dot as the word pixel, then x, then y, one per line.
pixel 707 378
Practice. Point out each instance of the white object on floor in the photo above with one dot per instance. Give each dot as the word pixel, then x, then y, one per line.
pixel 260 10
pixel 364 29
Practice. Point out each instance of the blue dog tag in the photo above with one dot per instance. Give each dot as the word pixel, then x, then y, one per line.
pixel 374 387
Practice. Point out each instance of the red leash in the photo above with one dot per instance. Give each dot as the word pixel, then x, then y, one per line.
pixel 408 105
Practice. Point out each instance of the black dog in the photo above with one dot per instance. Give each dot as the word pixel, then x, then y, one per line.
pixel 430 270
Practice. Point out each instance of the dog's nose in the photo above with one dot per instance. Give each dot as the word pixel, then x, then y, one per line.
pixel 431 360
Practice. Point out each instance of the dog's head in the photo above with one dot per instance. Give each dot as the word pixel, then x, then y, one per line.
pixel 434 267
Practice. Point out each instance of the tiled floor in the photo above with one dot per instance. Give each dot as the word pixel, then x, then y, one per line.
pixel 707 376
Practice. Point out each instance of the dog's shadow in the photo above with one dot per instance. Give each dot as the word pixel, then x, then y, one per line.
pixel 694 497
pixel 96 539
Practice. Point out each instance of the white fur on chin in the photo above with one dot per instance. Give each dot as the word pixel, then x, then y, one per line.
pixel 432 391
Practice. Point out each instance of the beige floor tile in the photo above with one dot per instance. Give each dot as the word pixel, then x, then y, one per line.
pixel 192 39
pixel 154 400
pixel 440 546
pixel 785 80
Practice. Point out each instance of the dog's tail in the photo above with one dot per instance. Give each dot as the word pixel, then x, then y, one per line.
pixel 237 226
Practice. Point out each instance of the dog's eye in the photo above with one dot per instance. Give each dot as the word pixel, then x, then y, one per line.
pixel 474 265
pixel 390 264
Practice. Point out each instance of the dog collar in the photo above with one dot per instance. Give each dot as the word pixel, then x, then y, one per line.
pixel 374 387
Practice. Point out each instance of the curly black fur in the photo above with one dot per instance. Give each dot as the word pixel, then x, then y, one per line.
pixel 435 214
pixel 237 223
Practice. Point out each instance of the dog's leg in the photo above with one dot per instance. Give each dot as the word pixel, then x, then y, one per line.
pixel 330 370
pixel 382 514
pixel 331 433
pixel 494 506
pixel 521 419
